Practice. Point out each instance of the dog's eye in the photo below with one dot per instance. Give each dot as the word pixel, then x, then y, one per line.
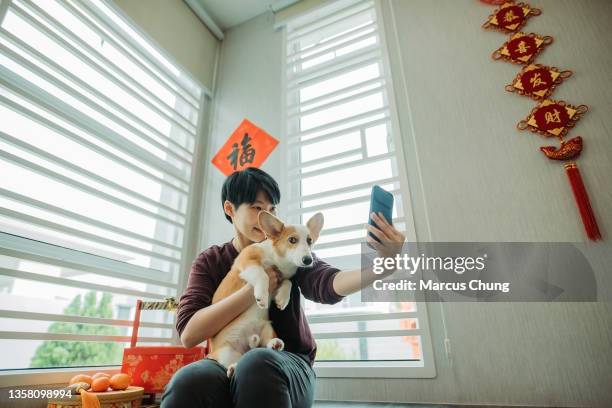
pixel 309 241
pixel 293 240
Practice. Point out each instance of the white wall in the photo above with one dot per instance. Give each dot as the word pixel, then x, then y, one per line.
pixel 473 177
pixel 248 86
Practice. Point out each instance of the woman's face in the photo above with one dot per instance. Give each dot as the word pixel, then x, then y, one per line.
pixel 244 217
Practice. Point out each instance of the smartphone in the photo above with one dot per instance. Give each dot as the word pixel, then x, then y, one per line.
pixel 381 201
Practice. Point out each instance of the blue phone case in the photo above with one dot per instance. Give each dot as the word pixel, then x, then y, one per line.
pixel 380 201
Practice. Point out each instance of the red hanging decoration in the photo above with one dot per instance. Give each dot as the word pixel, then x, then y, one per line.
pixel 537 81
pixel 551 118
pixel 522 48
pixel 510 16
pixel 583 202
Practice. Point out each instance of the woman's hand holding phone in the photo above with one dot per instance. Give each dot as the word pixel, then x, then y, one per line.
pixel 382 235
pixel 391 240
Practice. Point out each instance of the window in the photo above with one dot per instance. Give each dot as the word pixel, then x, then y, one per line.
pixel 342 138
pixel 98 135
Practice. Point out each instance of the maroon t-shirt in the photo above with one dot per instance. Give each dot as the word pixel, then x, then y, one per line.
pixel 211 266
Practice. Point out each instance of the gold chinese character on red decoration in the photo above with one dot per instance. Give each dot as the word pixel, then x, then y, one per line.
pixel 552 118
pixel 537 81
pixel 510 17
pixel 522 48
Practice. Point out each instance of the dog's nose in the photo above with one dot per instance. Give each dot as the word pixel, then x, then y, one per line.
pixel 307 260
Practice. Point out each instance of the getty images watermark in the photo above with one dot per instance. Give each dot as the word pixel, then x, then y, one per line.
pixel 412 265
pixel 484 271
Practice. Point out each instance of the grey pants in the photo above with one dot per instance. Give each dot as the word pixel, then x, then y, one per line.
pixel 263 378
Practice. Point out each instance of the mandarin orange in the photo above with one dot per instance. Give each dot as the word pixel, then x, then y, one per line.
pixel 100 384
pixel 81 378
pixel 120 381
pixel 96 375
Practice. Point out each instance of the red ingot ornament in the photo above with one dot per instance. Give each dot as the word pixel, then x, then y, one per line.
pixel 510 17
pixel 248 146
pixel 537 81
pixel 551 118
pixel 522 48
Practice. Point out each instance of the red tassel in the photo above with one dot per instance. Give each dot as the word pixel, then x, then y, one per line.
pixel 582 200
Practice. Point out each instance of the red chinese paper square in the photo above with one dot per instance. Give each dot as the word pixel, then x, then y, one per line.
pixel 248 146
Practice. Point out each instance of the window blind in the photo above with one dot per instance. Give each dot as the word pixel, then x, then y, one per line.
pixel 98 135
pixel 339 122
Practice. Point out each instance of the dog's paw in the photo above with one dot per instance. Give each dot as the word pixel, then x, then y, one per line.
pixel 262 297
pixel 283 295
pixel 230 370
pixel 276 344
pixel 263 300
pixel 254 340
pixel 282 300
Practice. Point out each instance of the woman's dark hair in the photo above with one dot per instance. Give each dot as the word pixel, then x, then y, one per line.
pixel 242 187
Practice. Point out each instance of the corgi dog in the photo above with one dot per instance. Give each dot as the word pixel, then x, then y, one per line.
pixel 287 247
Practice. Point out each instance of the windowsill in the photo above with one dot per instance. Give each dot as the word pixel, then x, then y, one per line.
pixel 348 369
pixel 38 376
pixel 374 369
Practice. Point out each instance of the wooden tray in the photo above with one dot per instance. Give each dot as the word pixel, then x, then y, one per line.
pixel 128 398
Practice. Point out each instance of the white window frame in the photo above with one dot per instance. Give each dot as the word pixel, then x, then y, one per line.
pixel 425 368
pixel 34 250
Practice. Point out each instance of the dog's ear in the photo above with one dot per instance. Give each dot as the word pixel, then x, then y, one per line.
pixel 314 225
pixel 269 224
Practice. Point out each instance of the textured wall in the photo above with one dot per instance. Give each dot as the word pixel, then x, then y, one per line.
pixel 472 177
pixel 473 162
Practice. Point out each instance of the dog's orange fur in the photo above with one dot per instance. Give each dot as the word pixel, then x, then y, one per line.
pixel 254 257
pixel 250 255
pixel 232 282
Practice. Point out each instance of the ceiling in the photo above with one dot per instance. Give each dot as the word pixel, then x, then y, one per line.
pixel 230 13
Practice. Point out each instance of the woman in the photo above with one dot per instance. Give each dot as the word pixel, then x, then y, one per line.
pixel 263 377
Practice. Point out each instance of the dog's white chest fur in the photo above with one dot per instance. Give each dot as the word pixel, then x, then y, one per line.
pixel 270 258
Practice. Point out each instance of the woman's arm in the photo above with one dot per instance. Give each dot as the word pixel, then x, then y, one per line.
pixel 350 281
pixel 391 241
pixel 208 321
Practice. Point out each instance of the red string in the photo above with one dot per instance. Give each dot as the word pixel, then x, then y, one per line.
pixel 582 200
